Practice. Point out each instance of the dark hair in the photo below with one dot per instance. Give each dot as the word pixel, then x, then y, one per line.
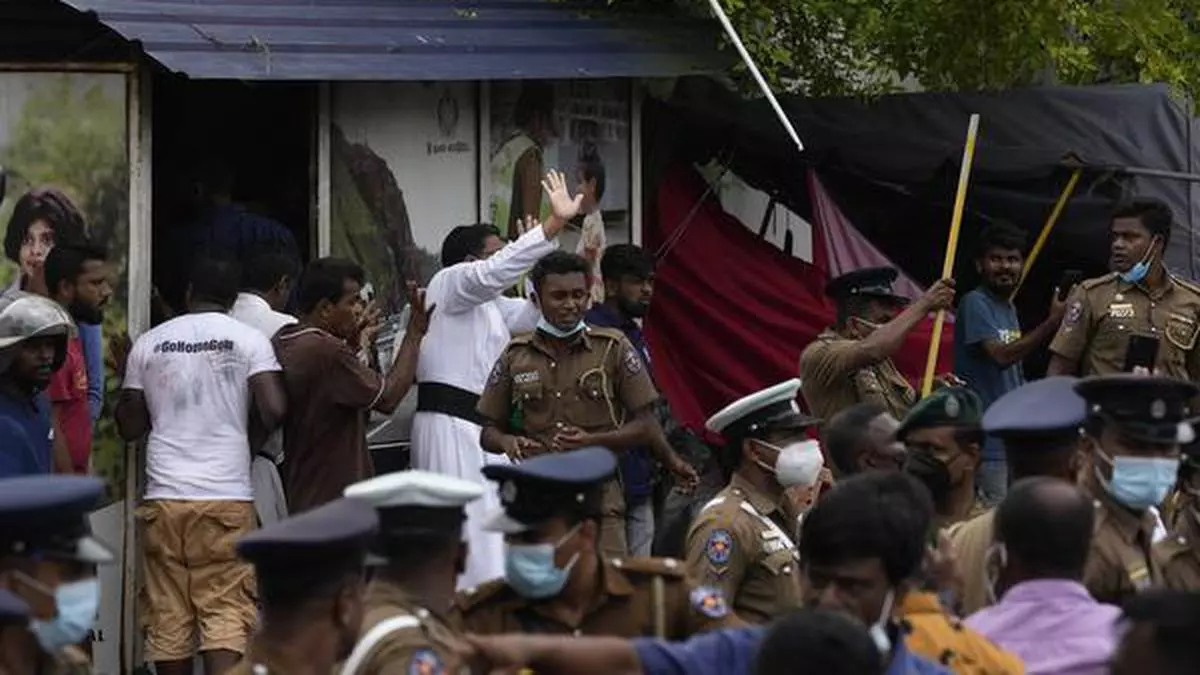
pixel 1154 215
pixel 845 433
pixel 65 263
pixel 466 240
pixel 215 280
pixel 592 168
pixel 282 594
pixel 626 260
pixel 1001 235
pixel 265 271
pixel 878 514
pixel 1174 620
pixel 536 98
pixel 1042 454
pixel 557 262
pixel 1047 524
pixel 47 204
pixel 826 642
pixel 325 279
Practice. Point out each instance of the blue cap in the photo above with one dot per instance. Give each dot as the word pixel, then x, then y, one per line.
pixel 333 535
pixel 550 485
pixel 47 515
pixel 13 610
pixel 1042 406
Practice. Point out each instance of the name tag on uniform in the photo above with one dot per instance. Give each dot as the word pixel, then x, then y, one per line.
pixel 774 546
pixel 1140 576
pixel 526 378
pixel 1121 310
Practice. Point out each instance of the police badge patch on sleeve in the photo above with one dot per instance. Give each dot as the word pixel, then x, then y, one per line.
pixel 1074 312
pixel 633 364
pixel 709 601
pixel 497 373
pixel 719 547
pixel 425 662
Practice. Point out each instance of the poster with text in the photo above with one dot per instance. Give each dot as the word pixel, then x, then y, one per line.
pixel 580 127
pixel 403 174
pixel 63 149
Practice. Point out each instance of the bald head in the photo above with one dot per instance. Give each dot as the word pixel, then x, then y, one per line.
pixel 1046 526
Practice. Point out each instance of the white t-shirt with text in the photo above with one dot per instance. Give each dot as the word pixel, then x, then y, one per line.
pixel 194 371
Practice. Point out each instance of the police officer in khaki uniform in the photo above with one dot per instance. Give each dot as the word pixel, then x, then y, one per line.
pixel 557 581
pixel 421 550
pixel 311 571
pixel 1039 425
pixel 852 361
pixel 1133 431
pixel 743 541
pixel 1139 298
pixel 567 386
pixel 1180 552
pixel 943 439
pixel 48 560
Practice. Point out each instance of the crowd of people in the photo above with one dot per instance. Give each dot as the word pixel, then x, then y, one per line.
pixel 557 520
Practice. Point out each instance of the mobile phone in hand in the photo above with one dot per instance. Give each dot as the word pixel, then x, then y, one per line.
pixel 1068 280
pixel 1142 352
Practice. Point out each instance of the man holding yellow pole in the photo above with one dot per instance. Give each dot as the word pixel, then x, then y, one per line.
pixel 851 362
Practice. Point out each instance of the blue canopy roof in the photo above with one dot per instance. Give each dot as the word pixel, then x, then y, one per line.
pixel 408 39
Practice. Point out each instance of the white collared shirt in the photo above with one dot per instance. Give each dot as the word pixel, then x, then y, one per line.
pixel 253 311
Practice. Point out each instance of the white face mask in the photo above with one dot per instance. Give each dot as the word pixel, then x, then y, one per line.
pixel 878 630
pixel 797 463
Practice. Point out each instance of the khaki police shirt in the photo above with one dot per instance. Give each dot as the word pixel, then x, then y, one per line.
pixel 1102 313
pixel 971 540
pixel 1120 562
pixel 1179 554
pixel 931 632
pixel 597 384
pixel 630 605
pixel 830 384
pixel 427 648
pixel 742 543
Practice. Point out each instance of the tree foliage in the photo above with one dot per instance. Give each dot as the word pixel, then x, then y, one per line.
pixel 832 47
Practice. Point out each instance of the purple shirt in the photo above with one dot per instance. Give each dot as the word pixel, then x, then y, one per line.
pixel 1054 625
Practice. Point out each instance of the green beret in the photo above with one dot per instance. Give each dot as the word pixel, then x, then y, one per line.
pixel 946 407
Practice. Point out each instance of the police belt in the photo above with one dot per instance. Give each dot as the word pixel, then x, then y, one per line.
pixel 436 397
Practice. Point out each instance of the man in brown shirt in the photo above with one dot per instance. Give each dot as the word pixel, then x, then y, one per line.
pixel 421 550
pixel 743 541
pixel 1140 297
pixel 557 580
pixel 568 385
pixel 330 390
pixel 851 362
pixel 1133 431
pixel 1180 552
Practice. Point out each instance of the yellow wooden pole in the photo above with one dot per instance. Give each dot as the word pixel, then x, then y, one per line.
pixel 1051 221
pixel 960 202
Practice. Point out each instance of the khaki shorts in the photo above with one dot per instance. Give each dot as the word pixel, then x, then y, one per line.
pixel 613 542
pixel 196 592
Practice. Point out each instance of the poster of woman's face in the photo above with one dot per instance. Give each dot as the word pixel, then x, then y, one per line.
pixel 64 159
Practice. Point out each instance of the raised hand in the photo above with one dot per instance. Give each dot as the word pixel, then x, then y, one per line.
pixel 418 318
pixel 562 205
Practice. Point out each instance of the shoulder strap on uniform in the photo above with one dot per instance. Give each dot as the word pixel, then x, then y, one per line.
pixel 719 499
pixel 1097 281
pixel 520 339
pixel 1185 283
pixel 471 597
pixel 373 637
pixel 663 567
pixel 605 332
pixel 770 525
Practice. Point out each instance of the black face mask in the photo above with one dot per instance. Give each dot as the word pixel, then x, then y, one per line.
pixel 932 472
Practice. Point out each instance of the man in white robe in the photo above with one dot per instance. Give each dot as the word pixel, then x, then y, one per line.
pixel 470 328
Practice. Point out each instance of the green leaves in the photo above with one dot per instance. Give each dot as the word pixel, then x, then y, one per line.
pixel 852 47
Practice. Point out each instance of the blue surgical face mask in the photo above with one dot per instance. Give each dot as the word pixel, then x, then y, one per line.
pixel 76 603
pixel 554 331
pixel 1139 271
pixel 530 569
pixel 1139 482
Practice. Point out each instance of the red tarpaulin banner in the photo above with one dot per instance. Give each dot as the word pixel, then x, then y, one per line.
pixel 731 312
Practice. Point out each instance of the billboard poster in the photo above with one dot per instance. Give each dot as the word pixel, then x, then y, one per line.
pixel 404 173
pixel 64 157
pixel 580 127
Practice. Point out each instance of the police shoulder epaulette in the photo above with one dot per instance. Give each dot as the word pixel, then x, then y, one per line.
pixel 605 332
pixel 469 598
pixel 1174 546
pixel 520 339
pixel 1098 281
pixel 665 567
pixel 1191 286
